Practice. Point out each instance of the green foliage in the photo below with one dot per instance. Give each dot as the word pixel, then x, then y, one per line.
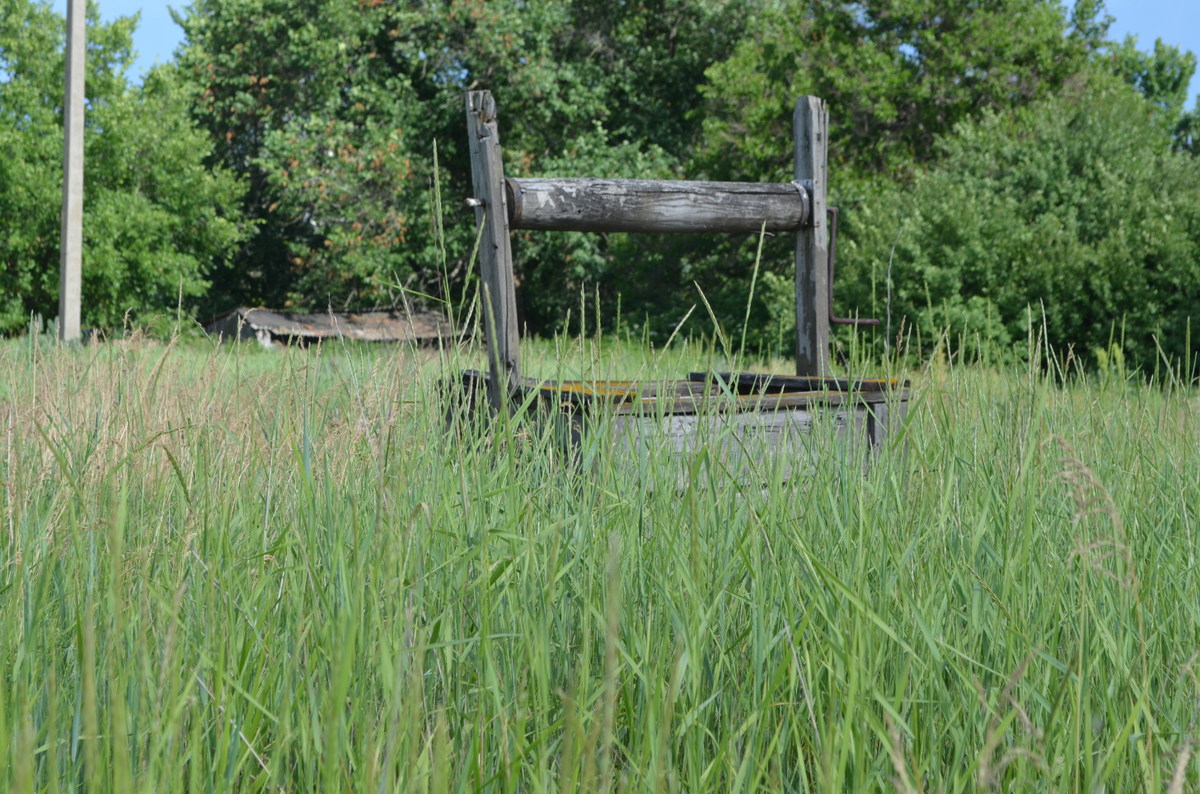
pixel 317 122
pixel 997 157
pixel 282 83
pixel 1162 76
pixel 297 103
pixel 155 216
pixel 1075 206
pixel 331 111
pixel 897 74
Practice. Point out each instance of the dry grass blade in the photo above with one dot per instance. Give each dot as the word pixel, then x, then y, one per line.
pixel 896 752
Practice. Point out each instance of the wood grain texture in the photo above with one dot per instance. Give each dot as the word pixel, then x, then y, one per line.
pixel 495 255
pixel 745 433
pixel 763 383
pixel 810 127
pixel 671 206
pixel 749 446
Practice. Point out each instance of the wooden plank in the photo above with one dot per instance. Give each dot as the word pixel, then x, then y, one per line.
pixel 70 278
pixel 745 446
pixel 689 397
pixel 637 205
pixel 761 383
pixel 810 129
pixel 762 403
pixel 743 433
pixel 692 398
pixel 495 256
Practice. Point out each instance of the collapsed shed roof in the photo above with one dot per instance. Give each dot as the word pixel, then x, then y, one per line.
pixel 269 327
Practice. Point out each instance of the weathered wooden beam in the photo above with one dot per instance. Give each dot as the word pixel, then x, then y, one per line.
pixel 635 205
pixel 810 129
pixel 495 256
pixel 70 277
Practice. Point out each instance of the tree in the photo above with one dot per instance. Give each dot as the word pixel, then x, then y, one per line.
pixel 1162 76
pixel 1074 212
pixel 155 217
pixel 331 111
pixel 942 113
pixel 897 74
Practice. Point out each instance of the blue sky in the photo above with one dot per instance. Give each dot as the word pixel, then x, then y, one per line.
pixel 1174 21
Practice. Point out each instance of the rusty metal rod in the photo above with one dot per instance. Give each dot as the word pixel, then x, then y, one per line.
pixel 832 214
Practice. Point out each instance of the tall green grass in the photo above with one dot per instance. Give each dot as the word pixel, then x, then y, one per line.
pixel 223 569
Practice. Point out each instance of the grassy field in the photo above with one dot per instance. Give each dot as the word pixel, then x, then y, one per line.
pixel 241 570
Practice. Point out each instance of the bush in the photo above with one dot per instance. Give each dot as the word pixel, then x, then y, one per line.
pixel 1076 207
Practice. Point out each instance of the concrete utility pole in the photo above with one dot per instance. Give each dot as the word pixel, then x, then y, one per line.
pixel 70 281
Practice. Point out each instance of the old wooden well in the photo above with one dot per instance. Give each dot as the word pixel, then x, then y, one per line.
pixel 743 415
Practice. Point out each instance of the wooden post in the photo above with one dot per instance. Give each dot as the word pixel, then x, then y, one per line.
pixel 495 255
pixel 810 127
pixel 71 245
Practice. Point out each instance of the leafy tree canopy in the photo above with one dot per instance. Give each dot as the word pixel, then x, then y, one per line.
pixel 1002 157
pixel 1074 214
pixel 897 74
pixel 999 154
pixel 156 217
pixel 331 111
pixel 899 77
